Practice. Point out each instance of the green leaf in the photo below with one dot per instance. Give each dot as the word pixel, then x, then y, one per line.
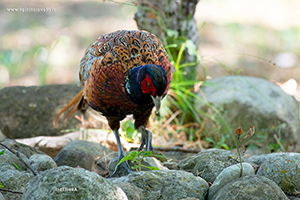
pixel 131 156
pixel 147 154
pixel 130 130
pixel 170 46
pixel 1 186
pixel 209 139
pixel 135 167
pixel 152 168
pixel 2 152
pixel 158 156
pixel 191 47
pixel 172 33
pixel 17 166
pixel 225 146
pixel 142 152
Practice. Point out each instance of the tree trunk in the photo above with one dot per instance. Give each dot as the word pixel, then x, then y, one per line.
pixel 169 19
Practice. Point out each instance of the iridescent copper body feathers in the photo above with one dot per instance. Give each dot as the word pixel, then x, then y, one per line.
pixel 107 62
pixel 124 72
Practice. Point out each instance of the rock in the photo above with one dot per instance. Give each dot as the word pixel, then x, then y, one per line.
pixel 250 187
pixel 2 198
pixel 80 153
pixel 29 111
pixel 209 163
pixel 40 162
pixel 190 198
pixel 102 163
pixel 258 160
pixel 175 156
pixel 8 158
pixel 250 152
pixel 171 165
pixel 166 184
pixel 284 170
pixel 151 161
pixel 13 179
pixel 23 148
pixel 71 183
pixel 247 101
pixel 95 149
pixel 2 137
pixel 132 192
pixel 75 159
pixel 229 174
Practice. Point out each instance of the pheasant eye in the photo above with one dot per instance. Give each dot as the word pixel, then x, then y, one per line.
pixel 148 84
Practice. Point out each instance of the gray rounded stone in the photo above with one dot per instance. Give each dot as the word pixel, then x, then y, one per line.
pixel 41 162
pixel 81 153
pixel 209 163
pixel 167 184
pixel 13 179
pixel 74 159
pixel 284 170
pixel 229 174
pixel 250 187
pixel 71 183
pixel 260 159
pixel 27 112
pixel 11 159
pixel 132 191
pixel 246 101
pixel 93 148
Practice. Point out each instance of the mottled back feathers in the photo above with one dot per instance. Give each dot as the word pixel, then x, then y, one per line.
pixel 108 61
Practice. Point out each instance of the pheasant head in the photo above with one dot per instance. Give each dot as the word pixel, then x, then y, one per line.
pixel 147 84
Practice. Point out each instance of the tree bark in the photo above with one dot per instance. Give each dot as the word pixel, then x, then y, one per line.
pixel 161 16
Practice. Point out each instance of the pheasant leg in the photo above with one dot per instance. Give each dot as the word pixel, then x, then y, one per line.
pixel 123 165
pixel 146 139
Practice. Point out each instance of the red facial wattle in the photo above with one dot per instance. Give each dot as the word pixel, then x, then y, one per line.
pixel 148 86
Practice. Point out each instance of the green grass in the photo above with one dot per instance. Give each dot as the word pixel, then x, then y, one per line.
pixel 183 98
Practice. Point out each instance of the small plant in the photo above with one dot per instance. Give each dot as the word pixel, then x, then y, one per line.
pixel 220 144
pixel 240 140
pixel 135 156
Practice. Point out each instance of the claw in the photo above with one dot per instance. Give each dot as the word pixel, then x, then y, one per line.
pixel 118 171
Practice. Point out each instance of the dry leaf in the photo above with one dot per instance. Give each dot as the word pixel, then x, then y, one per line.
pixel 238 133
pixel 250 132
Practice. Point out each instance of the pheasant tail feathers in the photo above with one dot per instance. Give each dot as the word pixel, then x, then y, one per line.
pixel 73 104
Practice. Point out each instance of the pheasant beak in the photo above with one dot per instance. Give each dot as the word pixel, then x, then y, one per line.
pixel 157 103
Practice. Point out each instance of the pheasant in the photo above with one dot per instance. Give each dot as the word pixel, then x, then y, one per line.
pixel 122 73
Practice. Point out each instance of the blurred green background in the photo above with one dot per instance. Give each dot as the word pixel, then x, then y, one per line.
pixel 244 37
pixel 249 37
